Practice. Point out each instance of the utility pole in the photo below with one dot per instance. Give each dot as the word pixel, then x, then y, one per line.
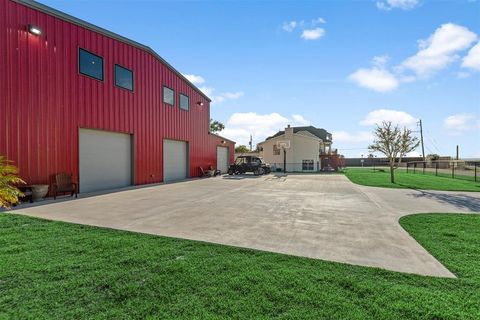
pixel 457 152
pixel 421 139
pixel 250 143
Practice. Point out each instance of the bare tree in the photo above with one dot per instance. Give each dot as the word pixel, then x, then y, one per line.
pixel 393 143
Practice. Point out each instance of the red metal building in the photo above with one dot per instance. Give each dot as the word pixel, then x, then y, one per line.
pixel 60 76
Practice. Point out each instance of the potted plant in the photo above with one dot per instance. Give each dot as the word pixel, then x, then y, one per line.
pixel 39 191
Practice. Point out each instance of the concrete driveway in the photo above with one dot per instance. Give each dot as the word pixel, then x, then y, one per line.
pixel 318 216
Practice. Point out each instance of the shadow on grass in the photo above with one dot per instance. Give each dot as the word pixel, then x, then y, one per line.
pixel 460 201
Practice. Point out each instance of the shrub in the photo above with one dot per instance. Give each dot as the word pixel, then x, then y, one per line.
pixel 9 193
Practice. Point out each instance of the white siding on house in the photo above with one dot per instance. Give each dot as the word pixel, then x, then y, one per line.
pixel 303 146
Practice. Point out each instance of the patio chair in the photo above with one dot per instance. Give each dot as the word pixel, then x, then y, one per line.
pixel 215 172
pixel 204 173
pixel 63 184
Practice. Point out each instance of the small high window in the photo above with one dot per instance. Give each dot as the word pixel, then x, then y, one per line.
pixel 276 150
pixel 90 64
pixel 184 102
pixel 168 96
pixel 123 77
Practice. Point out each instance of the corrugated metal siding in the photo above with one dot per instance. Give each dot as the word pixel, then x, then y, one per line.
pixel 44 100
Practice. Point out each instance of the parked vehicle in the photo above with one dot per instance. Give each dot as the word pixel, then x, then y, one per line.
pixel 245 164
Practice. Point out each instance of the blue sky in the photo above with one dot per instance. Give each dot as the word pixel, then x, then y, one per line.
pixel 339 65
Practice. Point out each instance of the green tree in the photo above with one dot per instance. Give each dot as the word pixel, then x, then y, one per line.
pixel 241 149
pixel 9 193
pixel 216 126
pixel 393 143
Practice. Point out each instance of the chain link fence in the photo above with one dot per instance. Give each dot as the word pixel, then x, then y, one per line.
pixel 455 169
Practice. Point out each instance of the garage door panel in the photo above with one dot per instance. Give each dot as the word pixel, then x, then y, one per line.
pixel 222 159
pixel 105 160
pixel 175 160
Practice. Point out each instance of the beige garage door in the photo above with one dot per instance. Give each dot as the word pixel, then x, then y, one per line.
pixel 222 159
pixel 105 160
pixel 175 160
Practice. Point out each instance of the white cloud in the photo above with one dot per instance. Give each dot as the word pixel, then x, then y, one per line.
pixel 207 90
pixel 196 80
pixel 313 34
pixel 472 59
pixel 439 50
pixel 377 78
pixel 210 91
pixel 300 120
pixel 344 136
pixel 240 126
pixel 397 4
pixel 222 97
pixel 289 26
pixel 380 61
pixel 232 95
pixel 401 118
pixel 435 54
pixel 319 20
pixel 463 75
pixel 310 31
pixel 458 123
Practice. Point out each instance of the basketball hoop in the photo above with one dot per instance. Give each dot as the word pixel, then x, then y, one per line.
pixel 283 144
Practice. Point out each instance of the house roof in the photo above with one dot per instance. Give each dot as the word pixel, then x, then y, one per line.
pixel 318 132
pixel 66 17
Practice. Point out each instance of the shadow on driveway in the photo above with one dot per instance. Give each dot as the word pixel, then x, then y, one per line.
pixel 460 201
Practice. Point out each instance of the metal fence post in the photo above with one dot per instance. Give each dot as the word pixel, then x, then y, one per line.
pixel 453 171
pixel 407 166
pixel 414 166
pixel 475 164
pixel 424 164
pixel 436 168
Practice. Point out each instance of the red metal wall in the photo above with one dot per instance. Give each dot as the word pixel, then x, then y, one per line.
pixel 44 100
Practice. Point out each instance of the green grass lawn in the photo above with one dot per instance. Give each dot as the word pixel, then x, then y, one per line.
pixel 59 270
pixel 381 178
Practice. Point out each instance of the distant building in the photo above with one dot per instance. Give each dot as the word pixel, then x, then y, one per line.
pixel 306 149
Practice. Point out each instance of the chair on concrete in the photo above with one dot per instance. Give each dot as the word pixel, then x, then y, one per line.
pixel 63 184
pixel 215 172
pixel 204 173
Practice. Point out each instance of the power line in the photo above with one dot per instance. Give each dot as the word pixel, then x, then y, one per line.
pixel 434 142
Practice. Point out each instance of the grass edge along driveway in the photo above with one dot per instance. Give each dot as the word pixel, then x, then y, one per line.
pixel 404 180
pixel 59 270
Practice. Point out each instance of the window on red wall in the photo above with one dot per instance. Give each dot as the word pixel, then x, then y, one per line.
pixel 168 96
pixel 184 102
pixel 123 77
pixel 90 64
